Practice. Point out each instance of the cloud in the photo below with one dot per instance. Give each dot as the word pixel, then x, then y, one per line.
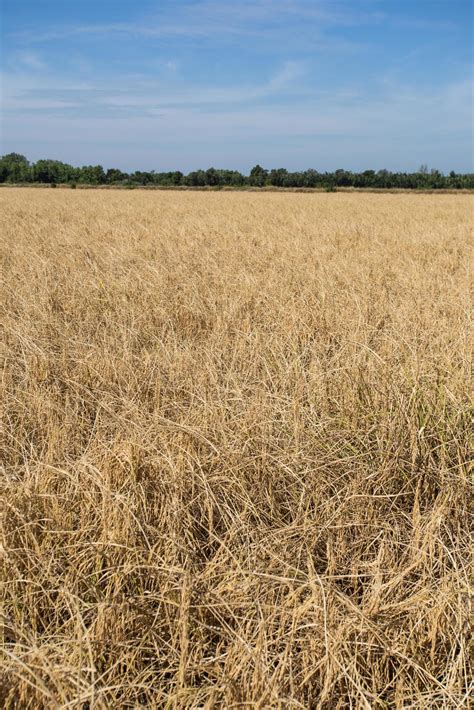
pixel 29 60
pixel 147 96
pixel 348 127
pixel 38 104
pixel 290 72
pixel 284 81
pixel 171 65
pixel 292 25
pixel 221 20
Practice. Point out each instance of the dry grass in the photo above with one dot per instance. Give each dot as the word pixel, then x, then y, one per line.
pixel 236 450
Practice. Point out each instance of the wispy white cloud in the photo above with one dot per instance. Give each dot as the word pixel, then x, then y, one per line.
pixel 222 20
pixel 30 93
pixel 38 104
pixel 354 124
pixel 29 60
pixel 171 65
pixel 285 81
pixel 290 72
pixel 258 18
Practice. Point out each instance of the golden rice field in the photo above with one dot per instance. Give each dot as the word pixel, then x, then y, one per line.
pixel 235 450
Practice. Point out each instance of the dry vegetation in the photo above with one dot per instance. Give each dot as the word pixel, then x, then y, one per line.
pixel 235 450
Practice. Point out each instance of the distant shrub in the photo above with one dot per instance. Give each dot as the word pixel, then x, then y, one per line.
pixel 53 184
pixel 73 186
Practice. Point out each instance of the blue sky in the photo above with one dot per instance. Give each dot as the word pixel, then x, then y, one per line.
pixel 182 84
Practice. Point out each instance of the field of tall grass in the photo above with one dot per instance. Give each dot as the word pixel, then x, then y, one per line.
pixel 235 458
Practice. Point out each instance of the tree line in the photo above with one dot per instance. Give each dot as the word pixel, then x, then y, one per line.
pixel 16 168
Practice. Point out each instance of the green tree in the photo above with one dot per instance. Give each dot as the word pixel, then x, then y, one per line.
pixel 50 171
pixel 278 177
pixel 258 176
pixel 92 175
pixel 115 175
pixel 212 177
pixel 197 178
pixel 14 167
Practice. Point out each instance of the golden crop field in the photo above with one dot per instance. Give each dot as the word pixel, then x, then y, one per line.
pixel 235 449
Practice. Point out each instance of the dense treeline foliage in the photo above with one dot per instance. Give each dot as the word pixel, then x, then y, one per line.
pixel 15 168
